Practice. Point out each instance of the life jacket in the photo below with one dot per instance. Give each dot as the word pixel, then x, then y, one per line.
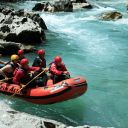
pixel 26 77
pixel 57 67
pixel 39 62
pixel 14 66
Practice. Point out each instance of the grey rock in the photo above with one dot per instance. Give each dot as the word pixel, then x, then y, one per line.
pixel 22 27
pixel 5 28
pixel 38 7
pixel 8 48
pixel 111 16
pixel 62 5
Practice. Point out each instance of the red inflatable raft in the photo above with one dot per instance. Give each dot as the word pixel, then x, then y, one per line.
pixel 64 90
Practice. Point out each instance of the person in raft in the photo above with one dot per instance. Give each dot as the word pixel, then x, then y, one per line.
pixel 40 60
pixel 7 71
pixel 58 70
pixel 25 73
pixel 21 54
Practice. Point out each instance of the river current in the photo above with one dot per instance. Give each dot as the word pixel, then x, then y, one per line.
pixel 95 49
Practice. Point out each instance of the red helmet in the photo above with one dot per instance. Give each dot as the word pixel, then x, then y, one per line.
pixel 24 61
pixel 41 52
pixel 20 52
pixel 57 59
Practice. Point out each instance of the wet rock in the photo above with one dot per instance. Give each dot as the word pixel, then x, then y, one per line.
pixel 12 112
pixel 19 12
pixel 24 36
pixel 8 20
pixel 6 11
pixel 111 16
pixel 5 28
pixel 55 6
pixel 62 5
pixel 1 9
pixel 9 118
pixel 8 48
pixel 80 1
pixel 38 7
pixel 82 5
pixel 39 20
pixel 49 125
pixel 22 27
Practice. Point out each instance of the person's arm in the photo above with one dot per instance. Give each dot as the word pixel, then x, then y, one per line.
pixel 2 62
pixel 5 69
pixel 54 70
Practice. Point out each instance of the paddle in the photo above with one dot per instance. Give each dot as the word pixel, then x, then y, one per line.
pixel 46 69
pixel 5 79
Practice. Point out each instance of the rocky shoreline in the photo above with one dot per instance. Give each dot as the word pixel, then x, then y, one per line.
pixel 18 28
pixel 10 118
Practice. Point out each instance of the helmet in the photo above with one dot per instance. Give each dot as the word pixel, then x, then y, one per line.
pixel 57 59
pixel 41 52
pixel 20 52
pixel 24 61
pixel 14 57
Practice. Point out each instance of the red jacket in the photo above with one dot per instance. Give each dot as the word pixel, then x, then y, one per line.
pixel 57 70
pixel 22 75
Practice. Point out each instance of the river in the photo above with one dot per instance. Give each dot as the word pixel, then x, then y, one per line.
pixel 95 49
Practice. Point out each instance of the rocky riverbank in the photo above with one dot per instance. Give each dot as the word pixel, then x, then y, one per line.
pixel 10 118
pixel 62 5
pixel 18 27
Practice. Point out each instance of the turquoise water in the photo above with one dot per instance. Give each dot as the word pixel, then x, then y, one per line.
pixel 97 50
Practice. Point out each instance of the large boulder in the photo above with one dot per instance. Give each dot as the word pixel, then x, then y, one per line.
pixel 62 5
pixel 22 27
pixel 8 48
pixel 111 15
pixel 38 7
pixel 55 6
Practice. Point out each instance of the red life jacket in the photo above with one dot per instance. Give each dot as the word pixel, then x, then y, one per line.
pixel 26 78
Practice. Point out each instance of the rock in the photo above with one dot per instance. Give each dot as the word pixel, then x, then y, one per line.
pixel 8 20
pixel 1 9
pixel 82 5
pixel 6 11
pixel 59 6
pixel 5 28
pixel 80 1
pixel 33 37
pixel 62 5
pixel 38 7
pixel 10 118
pixel 39 20
pixel 9 48
pixel 111 16
pixel 19 12
pixel 68 7
pixel 24 20
pixel 11 37
pixel 22 27
pixel 49 125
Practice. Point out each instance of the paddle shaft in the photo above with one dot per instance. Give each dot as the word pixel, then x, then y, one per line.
pixel 5 79
pixel 30 81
